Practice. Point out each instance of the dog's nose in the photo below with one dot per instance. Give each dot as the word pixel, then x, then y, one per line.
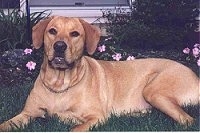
pixel 60 46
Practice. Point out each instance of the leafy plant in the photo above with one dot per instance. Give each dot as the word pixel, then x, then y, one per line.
pixel 153 23
pixel 14 31
pixel 14 38
pixel 106 51
pixel 18 66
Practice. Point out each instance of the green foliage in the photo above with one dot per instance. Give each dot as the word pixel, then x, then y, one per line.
pixel 154 23
pixel 15 36
pixel 109 50
pixel 14 29
pixel 13 69
pixel 168 13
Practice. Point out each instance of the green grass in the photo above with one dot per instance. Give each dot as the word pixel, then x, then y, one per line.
pixel 12 100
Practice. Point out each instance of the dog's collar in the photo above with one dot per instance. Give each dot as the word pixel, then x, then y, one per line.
pixel 53 91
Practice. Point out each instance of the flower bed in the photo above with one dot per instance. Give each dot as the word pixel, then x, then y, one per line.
pixel 19 66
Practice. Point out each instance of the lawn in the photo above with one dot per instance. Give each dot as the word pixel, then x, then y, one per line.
pixel 12 100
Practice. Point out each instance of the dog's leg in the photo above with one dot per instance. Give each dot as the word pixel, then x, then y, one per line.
pixel 16 122
pixel 166 92
pixel 164 100
pixel 86 125
pixel 169 107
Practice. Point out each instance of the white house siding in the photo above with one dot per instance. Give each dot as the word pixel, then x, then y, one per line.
pixel 23 6
pixel 90 10
pixel 90 14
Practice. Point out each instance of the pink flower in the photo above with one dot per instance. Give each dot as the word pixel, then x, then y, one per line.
pixel 108 38
pixel 117 56
pixel 28 51
pixel 195 52
pixel 186 50
pixel 197 45
pixel 131 58
pixel 198 62
pixel 102 48
pixel 31 65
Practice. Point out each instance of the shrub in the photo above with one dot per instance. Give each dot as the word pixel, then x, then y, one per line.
pixel 14 29
pixel 154 23
pixel 105 51
pixel 19 66
pixel 15 64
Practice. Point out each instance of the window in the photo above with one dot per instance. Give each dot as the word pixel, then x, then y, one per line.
pixel 78 2
pixel 9 4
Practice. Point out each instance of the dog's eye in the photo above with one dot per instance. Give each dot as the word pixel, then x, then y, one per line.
pixel 53 31
pixel 74 34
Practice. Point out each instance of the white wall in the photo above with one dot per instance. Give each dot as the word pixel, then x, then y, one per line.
pixel 23 5
pixel 90 14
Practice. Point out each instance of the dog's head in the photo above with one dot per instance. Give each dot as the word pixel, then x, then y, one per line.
pixel 65 39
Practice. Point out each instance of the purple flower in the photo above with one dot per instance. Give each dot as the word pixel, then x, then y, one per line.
pixel 131 58
pixel 108 38
pixel 195 52
pixel 28 51
pixel 117 56
pixel 102 48
pixel 186 50
pixel 198 62
pixel 31 65
pixel 197 45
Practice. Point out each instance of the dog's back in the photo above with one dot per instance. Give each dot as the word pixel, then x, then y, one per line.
pixel 129 79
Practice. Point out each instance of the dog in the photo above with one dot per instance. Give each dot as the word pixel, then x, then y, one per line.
pixel 86 90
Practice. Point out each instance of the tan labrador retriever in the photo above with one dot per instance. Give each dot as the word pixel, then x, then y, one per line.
pixel 75 86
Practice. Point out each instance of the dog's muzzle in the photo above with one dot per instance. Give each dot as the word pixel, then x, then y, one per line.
pixel 59 61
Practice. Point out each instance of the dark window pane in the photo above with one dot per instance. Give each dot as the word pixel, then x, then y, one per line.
pixel 9 3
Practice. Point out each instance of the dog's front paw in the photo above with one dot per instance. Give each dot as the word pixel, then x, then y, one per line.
pixel 187 121
pixel 80 128
pixel 4 127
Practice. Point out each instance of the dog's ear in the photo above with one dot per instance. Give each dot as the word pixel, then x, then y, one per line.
pixel 38 32
pixel 92 36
